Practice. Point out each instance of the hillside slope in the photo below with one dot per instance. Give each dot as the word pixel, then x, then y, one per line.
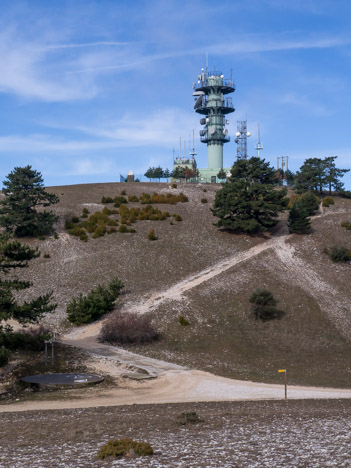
pixel 313 338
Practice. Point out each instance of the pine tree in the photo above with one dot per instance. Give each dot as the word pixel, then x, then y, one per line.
pixel 15 255
pixel 24 193
pixel 222 174
pixel 249 202
pixel 299 222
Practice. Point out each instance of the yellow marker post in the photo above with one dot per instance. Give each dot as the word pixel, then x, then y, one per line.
pixel 285 382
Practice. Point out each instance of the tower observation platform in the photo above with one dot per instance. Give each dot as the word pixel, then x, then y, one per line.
pixel 210 101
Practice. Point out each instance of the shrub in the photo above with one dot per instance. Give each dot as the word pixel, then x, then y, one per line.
pixel 327 201
pixel 204 190
pixel 133 198
pixel 125 448
pixel 111 230
pixel 78 231
pixel 294 198
pixel 119 200
pixel 31 339
pixel 347 225
pixel 189 418
pixel 174 185
pixel 264 305
pixel 68 224
pixel 75 219
pixel 4 355
pixel 177 217
pixel 46 255
pixel 86 309
pixel 183 321
pixel 123 192
pixel 123 228
pixel 106 211
pixel 203 200
pixel 100 231
pixel 151 235
pixel 339 254
pixel 85 212
pixel 127 327
pixel 56 236
pixel 106 200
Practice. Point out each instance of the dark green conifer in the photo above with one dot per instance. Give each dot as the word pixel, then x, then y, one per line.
pixel 299 222
pixel 24 193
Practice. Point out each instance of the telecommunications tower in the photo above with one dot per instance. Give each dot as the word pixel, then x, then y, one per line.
pixel 241 139
pixel 209 92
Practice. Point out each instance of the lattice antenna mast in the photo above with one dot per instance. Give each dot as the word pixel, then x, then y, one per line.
pixel 241 139
pixel 259 146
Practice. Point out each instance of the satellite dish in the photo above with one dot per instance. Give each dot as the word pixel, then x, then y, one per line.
pixel 203 132
pixel 211 130
pixel 238 134
pixel 198 93
pixel 203 121
pixel 236 140
pixel 227 122
pixel 225 132
pixel 248 134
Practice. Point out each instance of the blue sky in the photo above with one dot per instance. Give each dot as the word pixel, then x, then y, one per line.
pixel 89 90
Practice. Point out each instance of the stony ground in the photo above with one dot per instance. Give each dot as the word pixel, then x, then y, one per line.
pixel 241 434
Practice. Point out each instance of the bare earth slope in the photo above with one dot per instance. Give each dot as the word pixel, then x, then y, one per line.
pixel 208 276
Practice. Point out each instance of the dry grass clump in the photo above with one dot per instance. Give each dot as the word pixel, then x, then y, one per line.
pixel 118 448
pixel 119 200
pixel 128 328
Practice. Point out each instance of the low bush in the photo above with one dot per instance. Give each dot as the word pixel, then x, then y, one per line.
pixel 31 339
pixel 133 198
pixel 189 418
pixel 203 200
pixel 86 309
pixel 85 213
pixel 69 224
pixel 339 253
pixel 46 255
pixel 56 236
pixel 264 305
pixel 327 201
pixel 4 356
pixel 78 231
pixel 123 192
pixel 204 190
pixel 183 321
pixel 128 328
pixel 151 235
pixel 106 200
pixel 119 200
pixel 174 185
pixel 177 218
pixel 347 225
pixel 125 448
pixel 167 198
pixel 123 229
pixel 75 219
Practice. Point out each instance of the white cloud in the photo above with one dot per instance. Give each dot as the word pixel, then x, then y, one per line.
pixel 307 104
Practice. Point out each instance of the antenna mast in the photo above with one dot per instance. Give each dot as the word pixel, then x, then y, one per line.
pixel 259 146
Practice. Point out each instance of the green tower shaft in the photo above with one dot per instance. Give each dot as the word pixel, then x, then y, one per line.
pixel 209 92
